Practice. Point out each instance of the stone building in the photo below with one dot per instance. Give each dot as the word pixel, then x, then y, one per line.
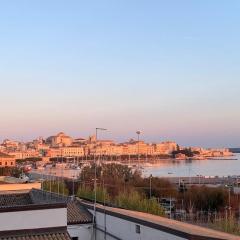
pixel 7 160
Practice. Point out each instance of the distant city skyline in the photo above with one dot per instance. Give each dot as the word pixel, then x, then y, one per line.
pixel 168 68
pixel 117 139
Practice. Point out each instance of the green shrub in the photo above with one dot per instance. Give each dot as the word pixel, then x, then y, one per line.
pixel 88 193
pixel 55 186
pixel 134 201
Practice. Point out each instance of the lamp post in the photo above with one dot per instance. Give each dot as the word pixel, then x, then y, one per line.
pixel 138 134
pixel 150 192
pixel 95 179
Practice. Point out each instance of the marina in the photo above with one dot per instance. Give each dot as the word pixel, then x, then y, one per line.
pixel 166 168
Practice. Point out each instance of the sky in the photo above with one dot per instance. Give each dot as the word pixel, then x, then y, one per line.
pixel 168 68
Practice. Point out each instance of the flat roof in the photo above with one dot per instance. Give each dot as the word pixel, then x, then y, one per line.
pixel 164 224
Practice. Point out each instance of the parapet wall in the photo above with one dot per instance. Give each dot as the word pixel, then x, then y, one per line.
pixel 132 225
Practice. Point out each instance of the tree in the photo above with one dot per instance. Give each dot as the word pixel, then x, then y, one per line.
pixel 207 199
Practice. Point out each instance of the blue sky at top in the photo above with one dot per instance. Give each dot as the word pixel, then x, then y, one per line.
pixel 170 68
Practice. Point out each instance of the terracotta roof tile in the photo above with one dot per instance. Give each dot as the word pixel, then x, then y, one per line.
pixel 15 199
pixel 77 214
pixel 47 235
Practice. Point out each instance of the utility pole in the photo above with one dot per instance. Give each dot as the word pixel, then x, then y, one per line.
pixel 138 134
pixel 170 208
pixel 150 192
pixel 229 201
pixel 95 181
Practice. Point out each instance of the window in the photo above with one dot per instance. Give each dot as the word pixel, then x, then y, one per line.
pixel 138 229
pixel 74 238
pixel 0 163
pixel 5 163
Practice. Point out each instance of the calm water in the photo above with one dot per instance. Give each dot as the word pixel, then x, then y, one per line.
pixel 186 168
pixel 172 168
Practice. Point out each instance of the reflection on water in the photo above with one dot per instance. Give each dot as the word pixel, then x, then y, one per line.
pixel 169 168
pixel 182 168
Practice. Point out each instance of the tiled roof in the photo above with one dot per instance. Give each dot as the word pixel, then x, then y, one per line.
pixel 4 155
pixel 40 197
pixel 15 199
pixel 77 214
pixel 35 235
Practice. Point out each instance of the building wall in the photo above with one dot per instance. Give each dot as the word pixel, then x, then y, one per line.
pixel 82 231
pixel 165 148
pixel 24 154
pixel 72 151
pixel 123 229
pixel 86 232
pixel 61 140
pixel 7 162
pixel 33 219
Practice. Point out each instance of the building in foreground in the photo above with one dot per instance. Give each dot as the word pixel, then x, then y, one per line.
pixel 40 215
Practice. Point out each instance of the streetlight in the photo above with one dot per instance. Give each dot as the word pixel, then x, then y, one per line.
pixel 138 134
pixel 95 178
pixel 150 192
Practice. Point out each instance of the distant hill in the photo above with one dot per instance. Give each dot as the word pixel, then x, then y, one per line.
pixel 235 150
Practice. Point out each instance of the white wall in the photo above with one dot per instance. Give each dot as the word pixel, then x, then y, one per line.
pixel 126 230
pixel 32 219
pixel 81 231
pixel 85 232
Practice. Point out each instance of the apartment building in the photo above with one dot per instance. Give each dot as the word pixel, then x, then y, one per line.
pixel 60 140
pixel 72 151
pixel 30 153
pixel 7 160
pixel 165 148
pixel 135 148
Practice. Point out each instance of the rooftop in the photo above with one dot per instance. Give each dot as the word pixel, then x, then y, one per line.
pixel 77 213
pixel 38 199
pixel 36 234
pixel 180 229
pixel 17 199
pixel 4 155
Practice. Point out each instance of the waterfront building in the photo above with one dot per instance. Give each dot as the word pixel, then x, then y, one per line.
pixel 79 141
pixel 30 153
pixel 165 148
pixel 72 151
pixel 107 150
pixel 136 147
pixel 63 145
pixel 60 140
pixel 7 160
pixel 10 143
pixel 54 152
